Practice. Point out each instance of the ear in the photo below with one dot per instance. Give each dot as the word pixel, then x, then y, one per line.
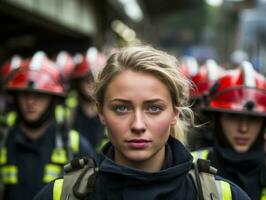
pixel 101 117
pixel 175 118
pixel 100 113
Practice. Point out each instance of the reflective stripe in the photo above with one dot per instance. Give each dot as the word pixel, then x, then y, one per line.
pixel 51 172
pixel 74 141
pixel 71 101
pixel 59 114
pixel 203 154
pixel 58 185
pixel 59 156
pixel 9 174
pixel 224 190
pixel 3 155
pixel 11 118
pixel 263 194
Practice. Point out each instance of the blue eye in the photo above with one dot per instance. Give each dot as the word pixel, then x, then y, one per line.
pixel 121 109
pixel 154 109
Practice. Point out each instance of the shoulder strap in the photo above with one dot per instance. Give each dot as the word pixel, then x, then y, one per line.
pixel 79 179
pixel 207 187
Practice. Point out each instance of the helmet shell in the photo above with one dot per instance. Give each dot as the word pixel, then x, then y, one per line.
pixel 9 67
pixel 91 62
pixel 38 74
pixel 205 78
pixel 240 90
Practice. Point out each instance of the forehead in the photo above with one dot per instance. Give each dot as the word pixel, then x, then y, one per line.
pixel 131 84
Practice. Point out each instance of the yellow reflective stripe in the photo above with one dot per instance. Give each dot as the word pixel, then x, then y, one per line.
pixel 71 101
pixel 74 141
pixel 9 174
pixel 101 144
pixel 51 172
pixel 263 194
pixel 202 154
pixel 58 185
pixel 3 155
pixel 59 156
pixel 59 114
pixel 11 118
pixel 224 190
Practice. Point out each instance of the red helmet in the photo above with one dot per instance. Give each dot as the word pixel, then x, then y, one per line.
pixel 189 66
pixel 241 90
pixel 92 61
pixel 38 74
pixel 9 67
pixel 66 64
pixel 204 78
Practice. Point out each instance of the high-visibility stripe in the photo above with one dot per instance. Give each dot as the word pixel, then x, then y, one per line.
pixel 11 118
pixel 51 172
pixel 263 194
pixel 59 114
pixel 9 174
pixel 58 185
pixel 59 156
pixel 72 101
pixel 224 190
pixel 74 141
pixel 3 155
pixel 202 154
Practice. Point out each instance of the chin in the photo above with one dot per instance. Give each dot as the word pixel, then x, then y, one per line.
pixel 137 157
pixel 241 149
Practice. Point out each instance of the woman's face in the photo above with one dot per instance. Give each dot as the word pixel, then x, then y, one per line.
pixel 241 131
pixel 138 113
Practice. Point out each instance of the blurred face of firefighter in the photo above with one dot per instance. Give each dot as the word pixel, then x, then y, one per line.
pixel 33 105
pixel 87 86
pixel 241 131
pixel 138 112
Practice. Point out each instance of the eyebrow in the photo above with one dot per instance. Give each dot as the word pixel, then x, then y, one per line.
pixel 128 101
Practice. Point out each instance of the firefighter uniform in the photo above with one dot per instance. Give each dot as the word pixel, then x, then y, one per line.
pixel 27 162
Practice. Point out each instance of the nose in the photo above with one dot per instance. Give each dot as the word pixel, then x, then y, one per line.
pixel 138 125
pixel 30 98
pixel 243 125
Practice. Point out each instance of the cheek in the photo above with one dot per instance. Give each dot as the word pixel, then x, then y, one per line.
pixel 160 127
pixel 229 128
pixel 116 127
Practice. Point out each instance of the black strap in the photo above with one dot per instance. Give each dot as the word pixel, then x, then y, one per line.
pixel 198 182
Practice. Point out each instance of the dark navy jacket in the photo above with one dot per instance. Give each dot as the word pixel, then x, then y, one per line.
pixel 30 157
pixel 115 182
pixel 90 127
pixel 247 170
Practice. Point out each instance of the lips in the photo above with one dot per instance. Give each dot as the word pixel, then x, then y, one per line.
pixel 241 141
pixel 138 143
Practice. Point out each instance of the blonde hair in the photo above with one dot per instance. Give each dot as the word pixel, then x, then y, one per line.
pixel 158 63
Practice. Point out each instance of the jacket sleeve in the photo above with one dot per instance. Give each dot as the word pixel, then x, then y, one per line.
pixel 46 193
pixel 236 191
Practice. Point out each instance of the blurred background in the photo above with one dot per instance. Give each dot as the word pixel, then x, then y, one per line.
pixel 201 28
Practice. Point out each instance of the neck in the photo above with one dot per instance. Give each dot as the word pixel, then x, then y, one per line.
pixel 35 133
pixel 153 164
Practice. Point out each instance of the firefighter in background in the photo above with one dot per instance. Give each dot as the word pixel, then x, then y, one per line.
pixel 7 113
pixel 84 116
pixel 202 78
pixel 238 106
pixel 37 146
